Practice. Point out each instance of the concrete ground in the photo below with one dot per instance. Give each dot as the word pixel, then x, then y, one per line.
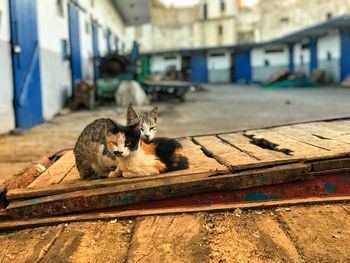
pixel 222 108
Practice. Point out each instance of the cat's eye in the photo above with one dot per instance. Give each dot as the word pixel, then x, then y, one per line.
pixel 141 129
pixel 127 144
pixel 151 128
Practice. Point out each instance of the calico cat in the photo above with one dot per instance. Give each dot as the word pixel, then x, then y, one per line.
pixel 160 155
pixel 100 144
pixel 148 122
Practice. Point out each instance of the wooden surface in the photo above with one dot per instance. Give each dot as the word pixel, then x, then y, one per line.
pixel 168 239
pixel 156 189
pixel 223 162
pixel 56 173
pixel 36 222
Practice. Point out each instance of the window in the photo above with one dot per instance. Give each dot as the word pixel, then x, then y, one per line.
pixel 222 5
pixel 274 50
pixel 301 59
pixel 169 57
pixel 284 20
pixel 220 30
pixel 205 12
pixel 217 54
pixel 305 46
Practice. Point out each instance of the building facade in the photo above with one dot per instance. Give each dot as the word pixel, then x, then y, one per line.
pixel 228 22
pixel 323 46
pixel 45 47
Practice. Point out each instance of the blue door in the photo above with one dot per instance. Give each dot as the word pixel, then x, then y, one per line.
pixel 25 63
pixel 95 50
pixel 75 60
pixel 242 68
pixel 199 68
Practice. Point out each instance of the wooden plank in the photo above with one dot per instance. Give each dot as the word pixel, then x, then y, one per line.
pixel 274 234
pixel 239 237
pixel 156 189
pixel 340 126
pixel 285 144
pixel 327 165
pixel 88 242
pixel 198 161
pixel 25 223
pixel 169 239
pixel 72 183
pixel 225 153
pixel 321 233
pixel 244 144
pixel 27 245
pixel 56 173
pixel 325 132
pixel 316 186
pixel 72 177
pixel 305 136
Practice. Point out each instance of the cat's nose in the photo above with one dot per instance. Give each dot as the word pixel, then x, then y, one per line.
pixel 147 137
pixel 118 153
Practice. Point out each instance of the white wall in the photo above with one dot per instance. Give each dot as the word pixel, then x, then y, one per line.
pixel 329 43
pixel 55 71
pixel 277 61
pixel 52 28
pixel 159 64
pixel 258 57
pixel 7 118
pixel 108 18
pixel 298 51
pixel 219 62
pixel 219 67
pixel 86 52
pixel 214 11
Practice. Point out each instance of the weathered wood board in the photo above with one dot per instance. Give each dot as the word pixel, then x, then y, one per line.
pixel 156 189
pixel 218 163
pixel 168 239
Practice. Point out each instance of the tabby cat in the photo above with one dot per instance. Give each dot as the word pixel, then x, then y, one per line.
pixel 100 144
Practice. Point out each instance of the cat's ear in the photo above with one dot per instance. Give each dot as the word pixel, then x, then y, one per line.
pixel 135 126
pixel 153 113
pixel 131 115
pixel 111 126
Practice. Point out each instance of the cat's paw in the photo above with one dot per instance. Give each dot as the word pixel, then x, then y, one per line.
pixel 130 175
pixel 115 173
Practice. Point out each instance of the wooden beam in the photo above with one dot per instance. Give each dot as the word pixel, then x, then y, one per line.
pixel 56 173
pixel 18 224
pixel 157 189
pixel 177 238
pixel 66 186
pixel 29 174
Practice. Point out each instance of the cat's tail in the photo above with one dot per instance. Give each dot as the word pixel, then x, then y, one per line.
pixel 178 161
